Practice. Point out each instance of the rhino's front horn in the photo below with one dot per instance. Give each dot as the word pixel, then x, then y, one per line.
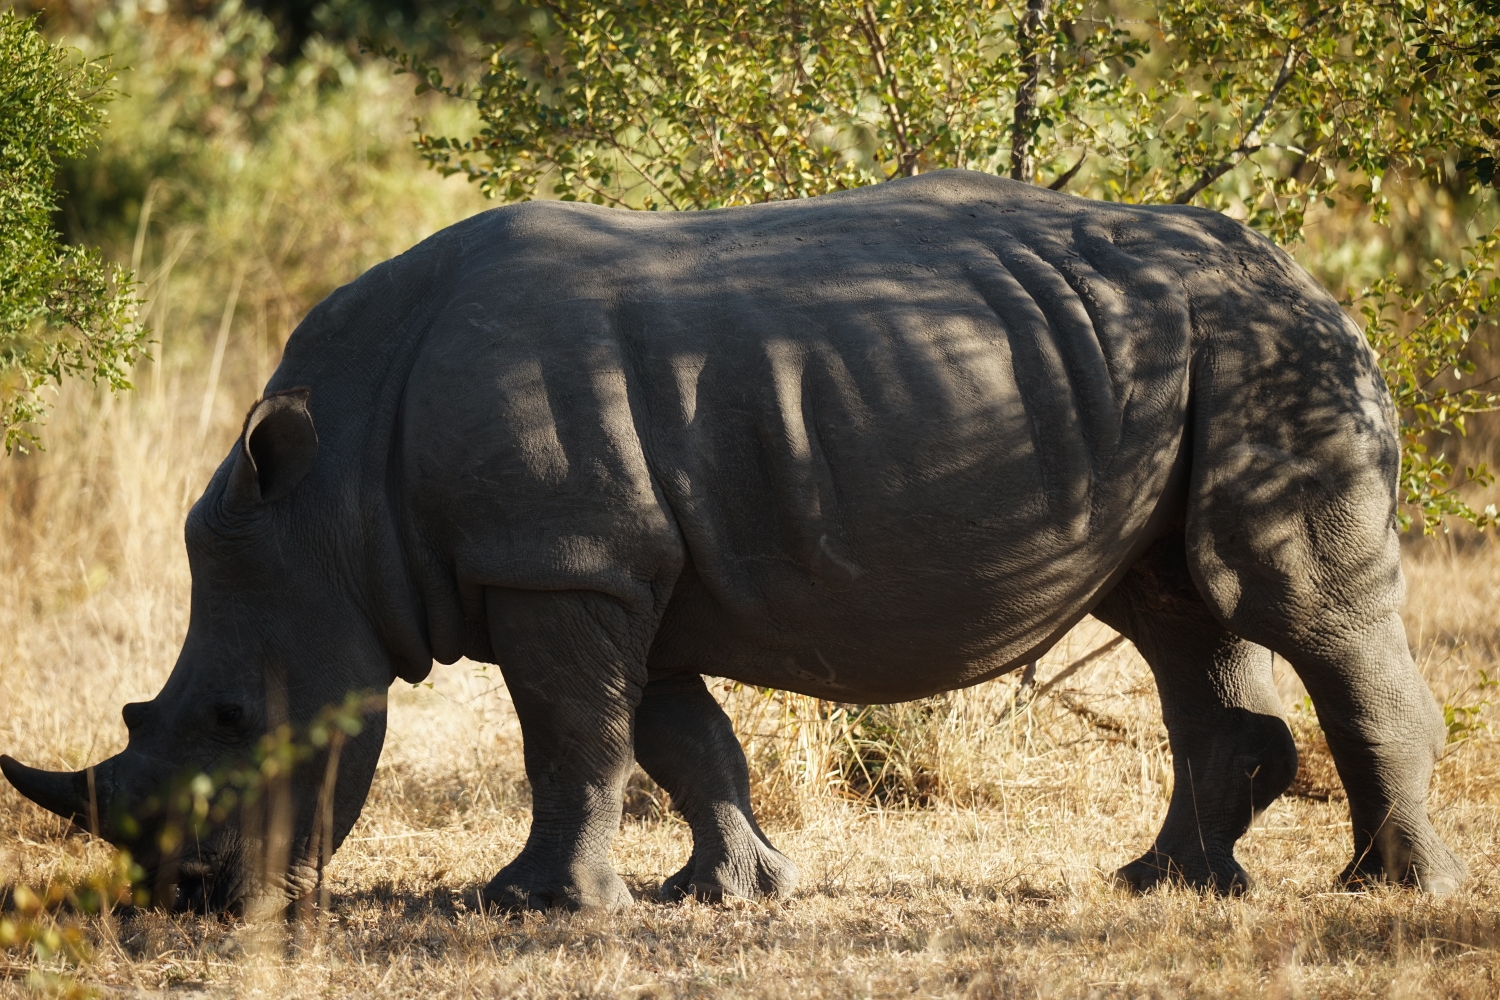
pixel 63 792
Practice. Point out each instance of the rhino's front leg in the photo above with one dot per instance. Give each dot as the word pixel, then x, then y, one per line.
pixel 574 662
pixel 684 741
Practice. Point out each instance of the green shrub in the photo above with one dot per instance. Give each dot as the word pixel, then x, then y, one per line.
pixel 244 189
pixel 1282 114
pixel 62 310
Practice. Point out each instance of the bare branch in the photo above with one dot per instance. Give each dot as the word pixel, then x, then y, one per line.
pixel 1250 143
pixel 1028 678
pixel 1072 172
pixel 1213 173
pixel 906 160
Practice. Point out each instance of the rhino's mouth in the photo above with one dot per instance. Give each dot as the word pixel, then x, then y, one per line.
pixel 205 888
pixel 209 884
pixel 202 884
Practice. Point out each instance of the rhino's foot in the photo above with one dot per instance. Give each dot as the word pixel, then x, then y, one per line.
pixel 1418 859
pixel 1218 872
pixel 751 871
pixel 520 886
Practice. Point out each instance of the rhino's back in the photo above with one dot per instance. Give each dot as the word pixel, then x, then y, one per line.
pixel 904 429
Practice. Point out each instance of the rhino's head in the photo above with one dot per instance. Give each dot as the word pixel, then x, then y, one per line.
pixel 275 634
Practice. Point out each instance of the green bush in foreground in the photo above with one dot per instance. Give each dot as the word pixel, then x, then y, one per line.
pixel 62 310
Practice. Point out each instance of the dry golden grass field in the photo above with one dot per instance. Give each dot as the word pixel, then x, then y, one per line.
pixel 952 848
pixel 975 865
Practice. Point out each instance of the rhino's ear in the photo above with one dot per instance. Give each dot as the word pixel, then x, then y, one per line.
pixel 276 451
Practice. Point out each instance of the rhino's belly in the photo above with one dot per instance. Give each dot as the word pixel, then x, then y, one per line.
pixel 835 671
pixel 949 616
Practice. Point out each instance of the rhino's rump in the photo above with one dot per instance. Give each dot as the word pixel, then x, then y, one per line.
pixel 892 437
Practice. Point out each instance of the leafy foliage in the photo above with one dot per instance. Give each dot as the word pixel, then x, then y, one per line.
pixel 1314 101
pixel 1465 720
pixel 35 920
pixel 1424 365
pixel 62 311
pixel 663 104
pixel 1266 110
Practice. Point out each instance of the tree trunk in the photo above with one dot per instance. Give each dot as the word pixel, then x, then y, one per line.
pixel 1029 36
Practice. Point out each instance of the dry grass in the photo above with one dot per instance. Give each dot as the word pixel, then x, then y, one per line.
pixel 976 869
pixel 993 886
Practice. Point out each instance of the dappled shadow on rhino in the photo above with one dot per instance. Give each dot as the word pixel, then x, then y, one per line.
pixel 868 447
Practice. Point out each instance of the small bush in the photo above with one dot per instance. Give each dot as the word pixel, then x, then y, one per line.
pixel 62 310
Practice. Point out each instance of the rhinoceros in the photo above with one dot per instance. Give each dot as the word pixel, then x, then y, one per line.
pixel 869 446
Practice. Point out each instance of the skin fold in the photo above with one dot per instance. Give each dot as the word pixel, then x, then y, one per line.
pixel 870 447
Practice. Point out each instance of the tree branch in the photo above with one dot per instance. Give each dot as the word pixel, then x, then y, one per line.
pixel 760 137
pixel 1062 181
pixel 1250 143
pixel 1028 678
pixel 619 147
pixel 905 160
pixel 1022 130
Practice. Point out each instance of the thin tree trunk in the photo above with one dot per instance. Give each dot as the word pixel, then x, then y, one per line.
pixel 1023 130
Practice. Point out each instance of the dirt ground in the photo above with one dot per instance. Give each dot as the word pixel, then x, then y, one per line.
pixel 989 881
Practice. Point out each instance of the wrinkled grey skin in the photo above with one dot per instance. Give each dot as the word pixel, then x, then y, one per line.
pixel 870 447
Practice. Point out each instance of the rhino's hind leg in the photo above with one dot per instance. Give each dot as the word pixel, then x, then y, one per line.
pixel 574 662
pixel 1232 753
pixel 684 741
pixel 1297 552
pixel 1384 758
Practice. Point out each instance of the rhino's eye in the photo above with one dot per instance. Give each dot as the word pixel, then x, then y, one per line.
pixel 228 715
